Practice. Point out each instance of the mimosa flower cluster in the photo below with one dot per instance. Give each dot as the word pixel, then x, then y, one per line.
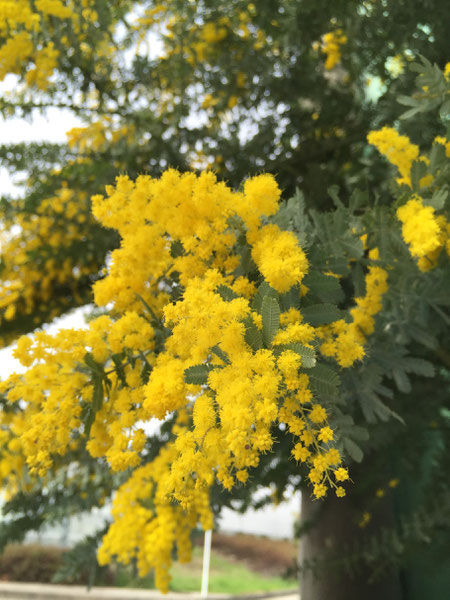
pixel 345 341
pixel 397 148
pixel 150 531
pixel 47 251
pixel 98 135
pixel 425 231
pixel 190 331
pixel 27 286
pixel 331 46
pixel 25 50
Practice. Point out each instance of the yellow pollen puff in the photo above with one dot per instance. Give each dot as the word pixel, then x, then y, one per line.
pixel 421 229
pixel 325 434
pixel 279 257
pixel 397 148
pixel 320 490
pixel 331 46
pixel 341 474
pixel 318 414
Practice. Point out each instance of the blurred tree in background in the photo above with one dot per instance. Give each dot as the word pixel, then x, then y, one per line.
pixel 282 87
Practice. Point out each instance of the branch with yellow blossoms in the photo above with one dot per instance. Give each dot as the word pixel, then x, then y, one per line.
pixel 217 314
pixel 237 315
pixel 425 228
pixel 35 37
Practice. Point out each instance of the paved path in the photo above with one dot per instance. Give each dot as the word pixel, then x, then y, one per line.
pixel 42 591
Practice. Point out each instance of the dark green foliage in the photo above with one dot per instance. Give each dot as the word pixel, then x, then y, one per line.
pixel 324 287
pixel 81 562
pixel 324 380
pixel 321 314
pixel 78 483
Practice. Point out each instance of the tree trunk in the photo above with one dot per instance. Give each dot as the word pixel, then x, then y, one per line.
pixel 330 528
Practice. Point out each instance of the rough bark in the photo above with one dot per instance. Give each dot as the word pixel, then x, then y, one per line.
pixel 330 528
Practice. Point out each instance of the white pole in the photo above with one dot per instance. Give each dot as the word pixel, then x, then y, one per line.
pixel 206 557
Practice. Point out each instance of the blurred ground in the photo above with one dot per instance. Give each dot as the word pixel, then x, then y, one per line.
pixel 39 591
pixel 259 553
pixel 240 564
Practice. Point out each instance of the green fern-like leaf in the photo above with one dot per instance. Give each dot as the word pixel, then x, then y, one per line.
pixel 321 314
pixel 270 311
pixel 226 293
pixel 419 366
pixel 325 287
pixel 197 374
pixel 324 380
pixel 217 350
pixel 264 290
pixel 253 336
pixel 353 450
